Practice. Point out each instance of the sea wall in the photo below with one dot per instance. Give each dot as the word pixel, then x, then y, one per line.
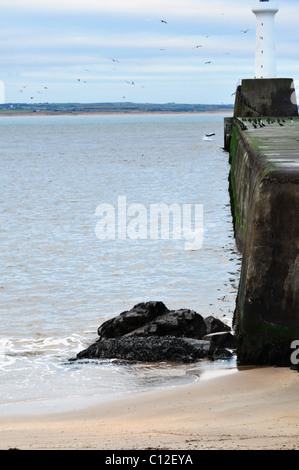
pixel 266 97
pixel 264 190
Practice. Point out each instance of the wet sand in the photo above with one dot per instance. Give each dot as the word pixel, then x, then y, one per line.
pixel 254 408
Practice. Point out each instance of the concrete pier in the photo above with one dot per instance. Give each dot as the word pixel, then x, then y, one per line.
pixel 264 188
pixel 266 97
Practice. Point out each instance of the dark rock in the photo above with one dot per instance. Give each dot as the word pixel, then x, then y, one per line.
pixel 218 352
pixel 222 339
pixel 182 322
pixel 130 320
pixel 214 325
pixel 152 349
pixel 149 332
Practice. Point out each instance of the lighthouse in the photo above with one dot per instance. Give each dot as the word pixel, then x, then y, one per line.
pixel 265 60
pixel 265 94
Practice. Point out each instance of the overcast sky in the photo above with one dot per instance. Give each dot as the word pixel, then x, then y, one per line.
pixel 62 50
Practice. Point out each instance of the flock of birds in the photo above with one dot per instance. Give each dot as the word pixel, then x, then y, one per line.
pixel 114 60
pixel 259 123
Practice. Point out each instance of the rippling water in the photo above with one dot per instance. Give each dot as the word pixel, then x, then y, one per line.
pixel 59 282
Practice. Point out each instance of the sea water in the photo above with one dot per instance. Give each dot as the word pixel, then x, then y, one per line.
pixel 59 281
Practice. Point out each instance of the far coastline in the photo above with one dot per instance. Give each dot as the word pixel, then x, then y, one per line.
pixel 55 109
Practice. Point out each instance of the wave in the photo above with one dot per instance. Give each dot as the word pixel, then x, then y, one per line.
pixel 44 346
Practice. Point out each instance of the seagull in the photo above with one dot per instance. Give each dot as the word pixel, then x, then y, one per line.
pixel 114 60
pixel 210 135
pixel 208 62
pixel 245 31
pixel 163 21
pixel 196 47
pixel 130 83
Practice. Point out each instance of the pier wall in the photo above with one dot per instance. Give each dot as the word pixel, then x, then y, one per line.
pixel 266 97
pixel 264 190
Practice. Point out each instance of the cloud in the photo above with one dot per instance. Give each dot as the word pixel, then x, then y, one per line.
pixel 137 7
pixel 54 40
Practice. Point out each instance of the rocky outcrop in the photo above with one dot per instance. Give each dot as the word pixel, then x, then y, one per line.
pixel 149 332
pixel 214 325
pixel 222 339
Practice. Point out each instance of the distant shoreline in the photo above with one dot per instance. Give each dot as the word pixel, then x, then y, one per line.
pixel 56 109
pixel 110 113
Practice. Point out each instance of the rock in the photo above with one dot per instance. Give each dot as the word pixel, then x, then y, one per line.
pixel 182 322
pixel 153 349
pixel 214 325
pixel 131 320
pixel 223 339
pixel 149 332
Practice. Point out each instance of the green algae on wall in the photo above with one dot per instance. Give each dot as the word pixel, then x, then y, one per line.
pixel 265 206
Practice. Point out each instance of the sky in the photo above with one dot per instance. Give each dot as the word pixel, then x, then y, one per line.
pixel 92 51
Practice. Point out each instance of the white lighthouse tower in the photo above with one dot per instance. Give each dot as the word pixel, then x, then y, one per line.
pixel 265 60
pixel 265 94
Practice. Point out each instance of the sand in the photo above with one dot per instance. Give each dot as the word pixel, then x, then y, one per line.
pixel 255 408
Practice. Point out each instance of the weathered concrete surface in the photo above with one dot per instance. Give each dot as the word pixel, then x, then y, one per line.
pixel 264 187
pixel 266 97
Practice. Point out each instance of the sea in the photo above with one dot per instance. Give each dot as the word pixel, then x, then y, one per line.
pixel 61 277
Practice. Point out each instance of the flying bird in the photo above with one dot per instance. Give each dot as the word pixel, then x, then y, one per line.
pixel 245 31
pixel 163 21
pixel 208 62
pixel 114 60
pixel 196 47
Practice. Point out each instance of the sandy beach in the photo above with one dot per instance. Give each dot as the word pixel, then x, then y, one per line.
pixel 253 408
